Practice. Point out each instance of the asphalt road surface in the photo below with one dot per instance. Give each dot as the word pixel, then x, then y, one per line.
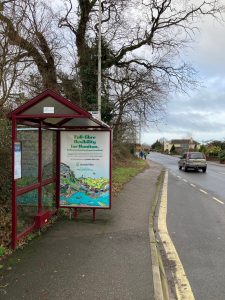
pixel 196 224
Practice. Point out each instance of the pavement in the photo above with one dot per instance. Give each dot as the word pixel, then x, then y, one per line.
pixel 216 163
pixel 108 259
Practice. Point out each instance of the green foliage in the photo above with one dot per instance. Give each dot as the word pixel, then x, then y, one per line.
pixel 219 144
pixel 173 150
pixel 88 71
pixel 5 159
pixel 5 224
pixel 222 155
pixel 63 212
pixel 106 108
pixel 157 146
pixel 107 53
pixel 213 151
pixel 202 149
pixel 89 77
pixel 123 151
pixel 2 251
pixel 122 174
pixel 132 151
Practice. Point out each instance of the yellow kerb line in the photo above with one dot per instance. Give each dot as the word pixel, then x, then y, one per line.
pixel 203 191
pixel 221 202
pixel 182 286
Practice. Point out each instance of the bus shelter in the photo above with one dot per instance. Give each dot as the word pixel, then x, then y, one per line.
pixel 61 158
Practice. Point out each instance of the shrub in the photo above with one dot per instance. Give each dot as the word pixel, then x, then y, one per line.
pixel 202 149
pixel 213 151
pixel 2 251
pixel 5 160
pixel 173 150
pixel 222 155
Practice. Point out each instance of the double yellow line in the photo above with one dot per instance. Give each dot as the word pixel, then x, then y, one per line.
pixel 181 283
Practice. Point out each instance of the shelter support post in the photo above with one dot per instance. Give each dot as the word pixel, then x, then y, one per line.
pixel 40 168
pixel 57 168
pixel 14 217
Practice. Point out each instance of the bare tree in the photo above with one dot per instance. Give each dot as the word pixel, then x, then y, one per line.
pixel 82 21
pixel 146 33
pixel 29 28
pixel 135 95
pixel 12 70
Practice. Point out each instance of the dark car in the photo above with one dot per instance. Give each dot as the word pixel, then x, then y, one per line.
pixel 193 160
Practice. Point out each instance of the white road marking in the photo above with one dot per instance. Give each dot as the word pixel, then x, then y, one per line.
pixel 203 191
pixel 192 184
pixel 178 177
pixel 221 202
pixel 185 180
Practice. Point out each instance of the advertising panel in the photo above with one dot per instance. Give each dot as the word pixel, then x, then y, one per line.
pixel 85 169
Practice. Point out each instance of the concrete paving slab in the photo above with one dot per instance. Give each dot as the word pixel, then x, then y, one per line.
pixel 109 259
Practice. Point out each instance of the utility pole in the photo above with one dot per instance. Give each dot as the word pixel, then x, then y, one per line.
pixel 99 60
pixel 139 138
pixel 140 126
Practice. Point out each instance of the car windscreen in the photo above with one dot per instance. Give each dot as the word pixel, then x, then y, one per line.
pixel 196 155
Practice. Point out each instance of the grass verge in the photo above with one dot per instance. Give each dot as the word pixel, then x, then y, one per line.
pixel 123 171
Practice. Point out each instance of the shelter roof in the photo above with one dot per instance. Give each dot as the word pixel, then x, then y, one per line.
pixel 52 110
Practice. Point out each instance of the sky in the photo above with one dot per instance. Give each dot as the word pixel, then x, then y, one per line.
pixel 200 114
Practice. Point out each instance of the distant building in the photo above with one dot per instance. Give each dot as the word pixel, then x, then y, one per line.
pixel 138 147
pixel 182 145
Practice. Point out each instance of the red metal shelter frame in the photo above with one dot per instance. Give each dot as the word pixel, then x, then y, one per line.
pixel 51 111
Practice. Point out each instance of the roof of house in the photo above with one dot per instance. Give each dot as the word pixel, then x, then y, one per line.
pixel 183 141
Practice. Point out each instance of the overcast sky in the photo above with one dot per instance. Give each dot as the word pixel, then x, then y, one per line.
pixel 201 114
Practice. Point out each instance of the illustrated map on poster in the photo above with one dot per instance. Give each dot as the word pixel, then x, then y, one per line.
pixel 85 169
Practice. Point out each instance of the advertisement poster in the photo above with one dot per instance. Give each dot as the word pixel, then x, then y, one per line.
pixel 17 160
pixel 85 169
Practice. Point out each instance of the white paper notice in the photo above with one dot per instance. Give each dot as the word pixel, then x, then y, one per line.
pixel 17 160
pixel 48 110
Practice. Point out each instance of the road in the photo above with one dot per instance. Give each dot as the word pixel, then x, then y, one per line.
pixel 196 224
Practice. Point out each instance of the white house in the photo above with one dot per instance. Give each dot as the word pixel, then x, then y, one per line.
pixel 182 145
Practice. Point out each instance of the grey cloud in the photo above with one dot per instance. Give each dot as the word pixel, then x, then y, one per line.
pixel 201 113
pixel 193 122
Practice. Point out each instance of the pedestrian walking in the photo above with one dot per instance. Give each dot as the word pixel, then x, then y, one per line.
pixel 141 154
